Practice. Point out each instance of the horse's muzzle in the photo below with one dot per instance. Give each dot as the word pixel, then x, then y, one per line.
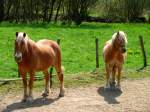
pixel 18 57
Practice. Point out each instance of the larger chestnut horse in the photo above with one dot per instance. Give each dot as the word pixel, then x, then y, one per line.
pixel 114 56
pixel 37 56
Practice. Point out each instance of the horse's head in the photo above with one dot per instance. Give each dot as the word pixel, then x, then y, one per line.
pixel 119 41
pixel 20 46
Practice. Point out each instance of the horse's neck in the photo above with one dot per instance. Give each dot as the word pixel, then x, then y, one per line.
pixel 30 45
pixel 31 42
pixel 114 50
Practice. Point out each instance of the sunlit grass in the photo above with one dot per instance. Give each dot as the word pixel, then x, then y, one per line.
pixel 77 44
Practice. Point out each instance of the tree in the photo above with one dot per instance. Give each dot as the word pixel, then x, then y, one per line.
pixel 58 9
pixel 133 9
pixel 1 10
pixel 51 10
pixel 77 10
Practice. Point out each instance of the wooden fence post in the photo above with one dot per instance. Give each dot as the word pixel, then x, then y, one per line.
pixel 143 51
pixel 51 69
pixel 97 52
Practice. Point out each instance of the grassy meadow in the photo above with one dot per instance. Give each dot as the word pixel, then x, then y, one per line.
pixel 77 44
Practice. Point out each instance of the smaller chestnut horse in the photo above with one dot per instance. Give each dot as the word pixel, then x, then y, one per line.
pixel 37 56
pixel 114 56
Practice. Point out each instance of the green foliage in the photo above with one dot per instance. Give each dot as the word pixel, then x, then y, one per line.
pixel 121 10
pixel 69 11
pixel 77 44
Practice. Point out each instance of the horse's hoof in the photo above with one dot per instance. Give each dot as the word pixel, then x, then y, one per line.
pixel 62 92
pixel 112 84
pixel 24 100
pixel 106 87
pixel 45 95
pixel 61 95
pixel 118 87
pixel 29 99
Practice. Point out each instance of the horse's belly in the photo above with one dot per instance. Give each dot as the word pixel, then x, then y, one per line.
pixel 115 63
pixel 43 65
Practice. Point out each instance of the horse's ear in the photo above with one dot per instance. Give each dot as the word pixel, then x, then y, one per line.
pixel 118 34
pixel 24 35
pixel 16 34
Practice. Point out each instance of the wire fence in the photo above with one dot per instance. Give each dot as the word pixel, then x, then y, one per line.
pixel 82 57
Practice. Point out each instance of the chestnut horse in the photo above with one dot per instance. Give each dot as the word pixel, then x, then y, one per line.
pixel 37 56
pixel 114 56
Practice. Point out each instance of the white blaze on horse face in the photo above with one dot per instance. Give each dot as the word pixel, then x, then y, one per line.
pixel 123 36
pixel 19 38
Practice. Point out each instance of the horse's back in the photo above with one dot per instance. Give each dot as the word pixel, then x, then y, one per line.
pixel 46 42
pixel 49 43
pixel 53 46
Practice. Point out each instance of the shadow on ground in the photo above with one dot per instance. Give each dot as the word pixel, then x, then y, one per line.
pixel 109 95
pixel 36 103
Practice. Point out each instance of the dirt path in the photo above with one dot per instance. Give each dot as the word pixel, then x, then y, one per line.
pixel 135 97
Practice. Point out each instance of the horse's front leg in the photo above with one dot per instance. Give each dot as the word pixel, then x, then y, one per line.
pixel 24 80
pixel 47 84
pixel 113 82
pixel 30 97
pixel 107 77
pixel 118 77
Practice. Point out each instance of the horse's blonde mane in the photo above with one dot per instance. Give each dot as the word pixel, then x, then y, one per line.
pixel 121 34
pixel 26 39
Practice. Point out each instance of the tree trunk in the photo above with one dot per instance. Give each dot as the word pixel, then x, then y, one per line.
pixel 7 15
pixel 58 8
pixel 1 10
pixel 51 10
pixel 37 10
pixel 45 11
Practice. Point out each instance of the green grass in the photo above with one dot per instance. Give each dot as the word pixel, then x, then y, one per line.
pixel 77 44
pixel 71 81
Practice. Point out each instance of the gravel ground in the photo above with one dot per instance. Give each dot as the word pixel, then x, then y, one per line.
pixel 134 97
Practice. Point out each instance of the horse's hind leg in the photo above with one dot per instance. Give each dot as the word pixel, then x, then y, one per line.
pixel 47 84
pixel 61 79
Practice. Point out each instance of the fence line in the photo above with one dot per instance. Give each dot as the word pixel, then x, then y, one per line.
pixel 97 60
